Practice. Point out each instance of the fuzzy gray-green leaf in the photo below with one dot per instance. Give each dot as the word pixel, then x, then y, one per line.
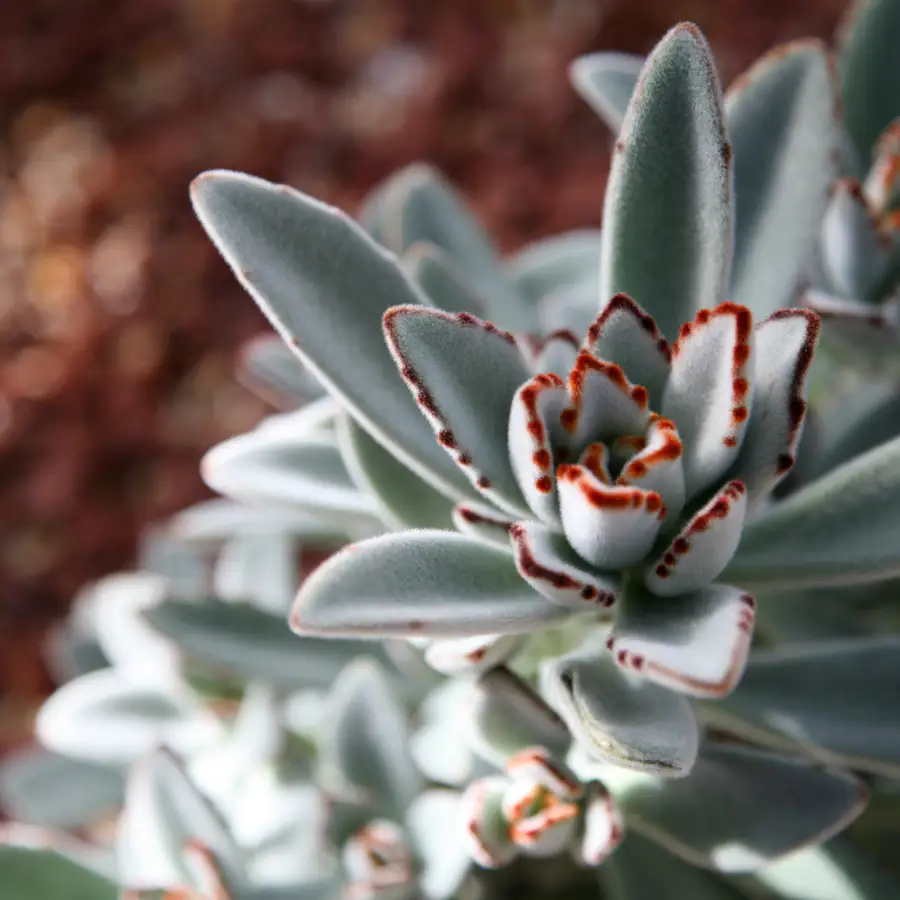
pixel 783 130
pixel 324 285
pixel 420 583
pixel 870 77
pixel 841 528
pixel 606 81
pixel 667 221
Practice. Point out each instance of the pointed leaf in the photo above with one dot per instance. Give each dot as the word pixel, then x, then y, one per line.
pixel 251 644
pixel 463 373
pixel 696 643
pixel 606 81
pixel 483 523
pixel 103 719
pixel 324 285
pixel 620 719
pixel 259 467
pixel 407 500
pixel 837 530
pixel 367 737
pixel 740 808
pixel 420 583
pixel 559 261
pixel 667 220
pixel 870 79
pixel 782 121
pixel 832 699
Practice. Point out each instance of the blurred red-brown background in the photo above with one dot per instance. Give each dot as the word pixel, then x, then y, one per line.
pixel 118 322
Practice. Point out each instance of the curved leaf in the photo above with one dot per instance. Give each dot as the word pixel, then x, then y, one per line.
pixel 324 286
pixel 840 529
pixel 418 584
pixel 833 699
pixel 561 261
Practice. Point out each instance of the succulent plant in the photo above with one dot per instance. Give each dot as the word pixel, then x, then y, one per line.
pixel 563 488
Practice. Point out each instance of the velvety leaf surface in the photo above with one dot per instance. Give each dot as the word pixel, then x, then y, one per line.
pixel 324 285
pixel 606 81
pixel 667 220
pixel 833 699
pixel 620 719
pixel 463 373
pixel 417 204
pixel 44 788
pixel 367 738
pixel 434 272
pixel 841 529
pixel 781 119
pixel 250 643
pixel 259 467
pixel 407 500
pixel 420 583
pixel 740 808
pixel 870 79
pixel 783 351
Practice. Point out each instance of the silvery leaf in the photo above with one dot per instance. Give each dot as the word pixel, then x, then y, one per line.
pixel 607 82
pixel 283 246
pixel 667 219
pixel 260 568
pixel 820 698
pixel 837 530
pixel 557 262
pixel 781 117
pixel 740 809
pixel 442 281
pixel 419 583
pixel 406 499
pixel 417 204
pixel 463 373
pixel 618 718
pixel 367 737
pixel 44 788
pixel 869 79
pixel 250 643
pixel 47 867
pixel 436 833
